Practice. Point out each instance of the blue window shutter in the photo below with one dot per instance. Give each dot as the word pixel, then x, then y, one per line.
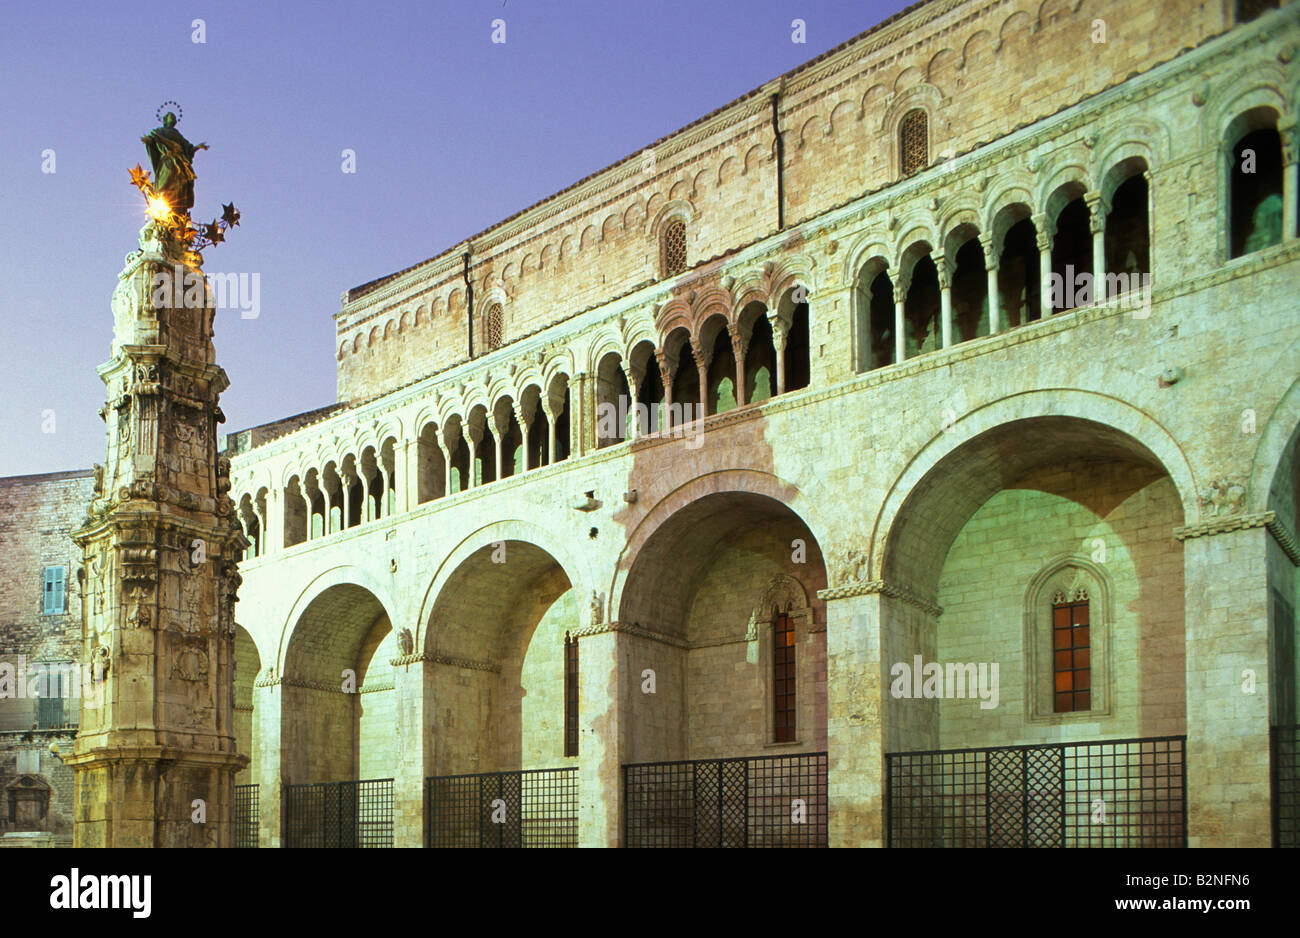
pixel 55 590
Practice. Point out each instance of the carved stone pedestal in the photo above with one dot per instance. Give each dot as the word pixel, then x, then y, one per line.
pixel 155 755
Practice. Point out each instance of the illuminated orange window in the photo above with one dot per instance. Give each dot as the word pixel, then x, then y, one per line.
pixel 783 678
pixel 570 695
pixel 1071 652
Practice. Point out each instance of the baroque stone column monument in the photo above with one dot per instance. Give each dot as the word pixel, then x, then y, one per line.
pixel 155 756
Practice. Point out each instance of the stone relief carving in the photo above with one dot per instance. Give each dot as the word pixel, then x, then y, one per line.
pixel 852 568
pixel 405 643
pixel 101 660
pixel 1222 497
pixel 190 664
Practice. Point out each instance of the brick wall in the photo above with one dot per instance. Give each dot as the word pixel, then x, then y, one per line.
pixel 37 515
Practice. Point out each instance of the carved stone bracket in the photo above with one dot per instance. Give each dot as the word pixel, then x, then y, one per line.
pixel 636 630
pixel 886 589
pixel 448 660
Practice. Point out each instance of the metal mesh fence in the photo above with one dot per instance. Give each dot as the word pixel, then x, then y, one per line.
pixel 763 801
pixel 1116 793
pixel 339 814
pixel 533 808
pixel 1285 764
pixel 245 816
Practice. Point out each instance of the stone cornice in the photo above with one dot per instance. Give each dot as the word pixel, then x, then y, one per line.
pixel 901 593
pixel 1259 519
pixel 634 630
pixel 470 664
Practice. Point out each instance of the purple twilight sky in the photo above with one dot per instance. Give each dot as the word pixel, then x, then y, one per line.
pixel 452 133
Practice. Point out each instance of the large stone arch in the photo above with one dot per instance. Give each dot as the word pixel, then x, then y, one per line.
pixel 498 531
pixel 341 575
pixel 502 609
pixel 1150 442
pixel 700 591
pixel 340 645
pixel 1276 440
pixel 728 480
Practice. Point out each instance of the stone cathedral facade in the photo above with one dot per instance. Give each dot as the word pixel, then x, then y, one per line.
pixel 906 453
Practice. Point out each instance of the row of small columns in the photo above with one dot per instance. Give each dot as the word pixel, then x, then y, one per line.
pixel 740 338
pixel 1097 211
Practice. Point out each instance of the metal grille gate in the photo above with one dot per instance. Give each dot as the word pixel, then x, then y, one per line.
pixel 339 814
pixel 246 816
pixel 1285 764
pixel 1116 793
pixel 532 808
pixel 763 801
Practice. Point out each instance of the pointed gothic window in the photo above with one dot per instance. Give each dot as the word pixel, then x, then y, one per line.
pixel 783 690
pixel 1071 651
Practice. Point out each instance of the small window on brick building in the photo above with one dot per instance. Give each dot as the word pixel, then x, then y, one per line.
pixel 570 695
pixel 913 141
pixel 674 247
pixel 1071 651
pixel 495 330
pixel 783 689
pixel 55 591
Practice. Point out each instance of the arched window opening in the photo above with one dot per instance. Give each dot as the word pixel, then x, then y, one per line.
pixel 760 362
pixel 650 390
pixel 1255 184
pixel 612 401
pixel 921 310
pixel 316 499
pixel 686 388
pixel 970 295
pixel 512 438
pixel 355 495
pixel 388 478
pixel 295 514
pixel 1071 258
pixel 562 440
pixel 1071 652
pixel 783 678
pixel 495 327
pixel 913 141
pixel 432 466
pixel 798 364
pixel 485 456
pixel 332 485
pixel 1018 286
pixel 722 374
pixel 459 481
pixel 673 250
pixel 1128 248
pixel 880 322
